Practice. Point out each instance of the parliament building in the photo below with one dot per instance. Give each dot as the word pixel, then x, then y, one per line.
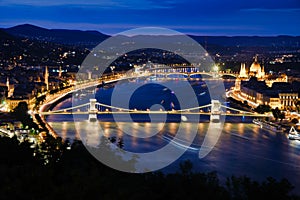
pixel 258 88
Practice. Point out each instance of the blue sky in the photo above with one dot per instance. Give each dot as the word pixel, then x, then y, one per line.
pixel 201 17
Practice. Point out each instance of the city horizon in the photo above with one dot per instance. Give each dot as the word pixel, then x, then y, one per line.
pixel 204 95
pixel 189 17
pixel 111 34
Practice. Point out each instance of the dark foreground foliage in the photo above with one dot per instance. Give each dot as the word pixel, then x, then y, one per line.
pixel 77 175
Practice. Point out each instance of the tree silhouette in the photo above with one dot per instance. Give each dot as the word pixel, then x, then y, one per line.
pixel 78 175
pixel 281 116
pixel 21 114
pixel 294 121
pixel 297 103
pixel 262 109
pixel 276 112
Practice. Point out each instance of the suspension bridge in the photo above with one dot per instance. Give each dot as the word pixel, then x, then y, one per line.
pixel 93 108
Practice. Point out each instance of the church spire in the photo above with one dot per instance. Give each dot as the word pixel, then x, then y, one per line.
pixel 60 72
pixel 243 73
pixel 255 58
pixel 7 83
pixel 47 78
pixel 263 73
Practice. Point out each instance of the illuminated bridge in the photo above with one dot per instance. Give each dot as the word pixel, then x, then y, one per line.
pixel 94 108
pixel 187 72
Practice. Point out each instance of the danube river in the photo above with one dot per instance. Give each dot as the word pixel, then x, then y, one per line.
pixel 243 148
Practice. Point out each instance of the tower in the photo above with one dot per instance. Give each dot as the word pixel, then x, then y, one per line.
pixel 255 69
pixel 10 88
pixel 93 110
pixel 89 75
pixel 47 78
pixel 263 72
pixel 215 111
pixel 59 72
pixel 255 58
pixel 243 73
pixel 7 84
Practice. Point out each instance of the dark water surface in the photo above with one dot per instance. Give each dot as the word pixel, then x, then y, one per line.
pixel 242 149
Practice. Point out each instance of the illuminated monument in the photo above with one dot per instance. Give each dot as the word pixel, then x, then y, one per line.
pixel 258 88
pixel 243 73
pixel 258 71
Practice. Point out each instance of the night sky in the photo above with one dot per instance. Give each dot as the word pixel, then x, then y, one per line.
pixel 201 17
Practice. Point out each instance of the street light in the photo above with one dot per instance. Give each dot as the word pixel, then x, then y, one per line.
pixel 216 68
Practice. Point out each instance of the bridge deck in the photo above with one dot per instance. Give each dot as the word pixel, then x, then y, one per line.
pixel 154 112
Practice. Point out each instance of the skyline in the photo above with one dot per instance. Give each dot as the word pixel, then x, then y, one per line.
pixel 216 18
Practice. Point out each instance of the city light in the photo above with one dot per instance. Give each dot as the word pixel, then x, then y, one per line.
pixel 216 68
pixel 257 108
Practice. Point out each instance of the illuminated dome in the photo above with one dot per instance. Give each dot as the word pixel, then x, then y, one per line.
pixel 255 67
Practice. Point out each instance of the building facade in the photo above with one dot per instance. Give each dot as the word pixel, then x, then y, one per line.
pixel 13 103
pixel 259 88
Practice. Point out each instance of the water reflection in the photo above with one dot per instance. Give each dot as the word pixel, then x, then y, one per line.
pixel 64 130
pixel 211 138
pixel 241 148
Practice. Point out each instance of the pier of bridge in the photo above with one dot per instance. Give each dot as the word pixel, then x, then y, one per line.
pixel 215 111
pixel 94 108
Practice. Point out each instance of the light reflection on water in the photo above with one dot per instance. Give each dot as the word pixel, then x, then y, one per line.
pixel 241 149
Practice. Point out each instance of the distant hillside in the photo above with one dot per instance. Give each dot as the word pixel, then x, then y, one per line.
pixel 28 52
pixel 4 35
pixel 93 38
pixel 250 41
pixel 61 36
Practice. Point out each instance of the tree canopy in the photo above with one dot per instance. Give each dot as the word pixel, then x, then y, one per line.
pixel 75 174
pixel 262 109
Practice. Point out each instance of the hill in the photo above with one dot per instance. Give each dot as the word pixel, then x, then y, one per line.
pixel 60 36
pixel 93 38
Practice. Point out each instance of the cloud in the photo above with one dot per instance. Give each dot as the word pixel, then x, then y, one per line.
pixel 214 27
pixel 112 4
pixel 112 16
pixel 271 10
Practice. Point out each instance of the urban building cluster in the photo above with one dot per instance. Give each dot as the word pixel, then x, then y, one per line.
pixel 256 87
pixel 25 87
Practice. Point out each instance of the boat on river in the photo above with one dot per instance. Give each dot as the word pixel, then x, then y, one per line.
pixel 293 134
pixel 202 93
pixel 268 125
pixel 152 78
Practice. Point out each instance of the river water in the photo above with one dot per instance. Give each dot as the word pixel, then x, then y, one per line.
pixel 243 148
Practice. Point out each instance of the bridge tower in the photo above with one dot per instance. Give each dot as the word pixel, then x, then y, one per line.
pixel 89 75
pixel 215 111
pixel 93 110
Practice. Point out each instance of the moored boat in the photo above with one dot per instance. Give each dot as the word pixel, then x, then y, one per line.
pixel 293 134
pixel 256 121
pixel 268 125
